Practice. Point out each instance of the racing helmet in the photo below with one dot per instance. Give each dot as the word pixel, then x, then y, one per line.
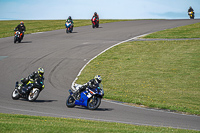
pixel 21 22
pixel 69 17
pixel 95 13
pixel 40 71
pixel 98 79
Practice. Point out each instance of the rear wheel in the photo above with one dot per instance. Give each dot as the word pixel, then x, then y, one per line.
pixel 70 102
pixel 15 94
pixel 34 93
pixel 94 102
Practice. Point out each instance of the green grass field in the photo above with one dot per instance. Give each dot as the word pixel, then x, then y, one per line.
pixel 10 123
pixel 189 31
pixel 157 74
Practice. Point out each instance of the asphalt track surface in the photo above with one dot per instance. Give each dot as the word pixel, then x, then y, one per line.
pixel 62 56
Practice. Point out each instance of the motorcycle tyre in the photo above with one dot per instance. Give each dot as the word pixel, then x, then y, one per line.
pixel 72 104
pixel 67 31
pixel 96 104
pixel 30 99
pixel 15 39
pixel 14 96
pixel 93 26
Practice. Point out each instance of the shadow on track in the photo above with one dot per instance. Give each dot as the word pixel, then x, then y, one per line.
pixel 39 101
pixel 43 101
pixel 98 109
pixel 26 42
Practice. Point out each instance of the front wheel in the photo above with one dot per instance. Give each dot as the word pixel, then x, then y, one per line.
pixel 15 39
pixel 93 25
pixel 34 93
pixel 70 102
pixel 94 102
pixel 15 94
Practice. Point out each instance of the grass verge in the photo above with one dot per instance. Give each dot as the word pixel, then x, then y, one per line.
pixel 158 74
pixel 33 26
pixel 35 124
pixel 188 31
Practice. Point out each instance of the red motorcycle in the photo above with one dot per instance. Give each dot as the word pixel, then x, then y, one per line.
pixel 95 22
pixel 17 36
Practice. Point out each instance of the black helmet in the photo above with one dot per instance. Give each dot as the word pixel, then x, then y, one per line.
pixel 69 17
pixel 95 13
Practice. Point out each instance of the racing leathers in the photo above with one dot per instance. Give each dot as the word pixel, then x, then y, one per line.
pixel 90 84
pixel 190 9
pixel 30 81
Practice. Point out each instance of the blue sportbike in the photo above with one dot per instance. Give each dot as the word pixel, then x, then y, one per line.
pixel 69 27
pixel 90 98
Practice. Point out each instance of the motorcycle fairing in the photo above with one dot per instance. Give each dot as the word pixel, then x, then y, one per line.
pixel 83 100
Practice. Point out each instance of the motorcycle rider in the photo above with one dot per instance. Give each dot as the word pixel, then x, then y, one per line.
pixel 190 9
pixel 21 28
pixel 191 12
pixel 93 83
pixel 36 75
pixel 70 20
pixel 96 16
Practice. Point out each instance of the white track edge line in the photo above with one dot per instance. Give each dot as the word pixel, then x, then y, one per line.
pixel 72 86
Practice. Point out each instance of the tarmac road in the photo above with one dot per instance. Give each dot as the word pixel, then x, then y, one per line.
pixel 62 56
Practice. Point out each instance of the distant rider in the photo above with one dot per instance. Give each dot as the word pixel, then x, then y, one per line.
pixel 21 28
pixel 93 83
pixel 69 20
pixel 36 75
pixel 190 9
pixel 96 16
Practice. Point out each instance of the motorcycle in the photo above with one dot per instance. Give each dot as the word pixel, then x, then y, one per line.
pixel 28 91
pixel 17 36
pixel 90 98
pixel 191 14
pixel 95 22
pixel 69 27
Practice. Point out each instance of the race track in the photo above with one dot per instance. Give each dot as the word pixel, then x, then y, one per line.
pixel 62 56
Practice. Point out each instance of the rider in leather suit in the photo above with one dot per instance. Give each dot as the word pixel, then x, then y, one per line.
pixel 93 83
pixel 70 20
pixel 36 75
pixel 21 28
